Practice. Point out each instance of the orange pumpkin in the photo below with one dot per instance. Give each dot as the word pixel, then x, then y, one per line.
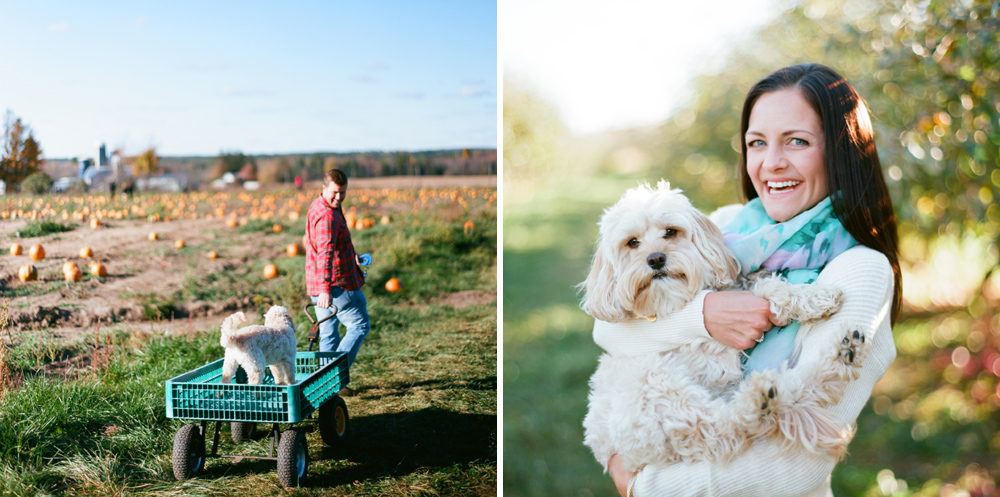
pixel 86 252
pixel 393 285
pixel 277 228
pixel 154 235
pixel 98 269
pixel 270 271
pixel 231 222
pixel 293 249
pixel 385 220
pixel 16 249
pixel 469 226
pixel 179 244
pixel 212 254
pixel 95 223
pixel 36 252
pixel 27 273
pixel 72 272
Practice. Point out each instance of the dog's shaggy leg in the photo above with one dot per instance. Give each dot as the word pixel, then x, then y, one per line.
pixel 798 302
pixel 806 419
pixel 229 366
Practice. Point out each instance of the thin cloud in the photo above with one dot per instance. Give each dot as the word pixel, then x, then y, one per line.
pixel 238 91
pixel 58 27
pixel 411 94
pixel 140 22
pixel 211 65
pixel 471 92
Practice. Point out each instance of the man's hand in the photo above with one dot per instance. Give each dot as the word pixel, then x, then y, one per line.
pixel 737 319
pixel 323 300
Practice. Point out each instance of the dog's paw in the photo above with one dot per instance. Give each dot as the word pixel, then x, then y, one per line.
pixel 768 400
pixel 852 348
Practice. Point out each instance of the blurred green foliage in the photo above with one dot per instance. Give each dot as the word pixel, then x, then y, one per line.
pixel 929 71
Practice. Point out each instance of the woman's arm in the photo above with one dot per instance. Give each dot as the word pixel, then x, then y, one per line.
pixel 640 336
pixel 733 318
pixel 764 469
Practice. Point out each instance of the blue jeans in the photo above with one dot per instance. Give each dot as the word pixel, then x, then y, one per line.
pixel 352 310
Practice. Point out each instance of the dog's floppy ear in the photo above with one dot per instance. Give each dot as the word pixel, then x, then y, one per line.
pixel 598 298
pixel 708 240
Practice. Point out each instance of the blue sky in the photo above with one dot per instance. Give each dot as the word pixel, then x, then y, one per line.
pixel 197 78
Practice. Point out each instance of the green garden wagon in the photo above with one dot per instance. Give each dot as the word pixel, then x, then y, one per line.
pixel 199 395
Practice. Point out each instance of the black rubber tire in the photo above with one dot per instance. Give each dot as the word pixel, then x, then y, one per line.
pixel 334 423
pixel 242 431
pixel 189 452
pixel 293 458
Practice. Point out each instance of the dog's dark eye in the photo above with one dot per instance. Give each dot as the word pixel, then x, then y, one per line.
pixel 633 243
pixel 670 233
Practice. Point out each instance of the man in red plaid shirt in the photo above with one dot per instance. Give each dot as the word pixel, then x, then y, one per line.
pixel 333 273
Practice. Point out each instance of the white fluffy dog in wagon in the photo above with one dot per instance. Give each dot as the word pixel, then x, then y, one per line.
pixel 655 253
pixel 255 347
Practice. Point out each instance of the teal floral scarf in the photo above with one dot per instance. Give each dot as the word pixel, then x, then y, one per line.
pixel 797 249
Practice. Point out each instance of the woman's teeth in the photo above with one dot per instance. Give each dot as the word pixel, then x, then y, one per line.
pixel 779 186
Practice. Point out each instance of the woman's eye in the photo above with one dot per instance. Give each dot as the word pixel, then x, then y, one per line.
pixel 799 142
pixel 669 233
pixel 633 243
pixel 755 143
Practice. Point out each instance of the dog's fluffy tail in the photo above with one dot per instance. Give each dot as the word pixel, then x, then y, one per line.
pixel 230 326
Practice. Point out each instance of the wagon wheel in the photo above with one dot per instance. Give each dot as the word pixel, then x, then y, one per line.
pixel 334 422
pixel 242 431
pixel 293 458
pixel 189 452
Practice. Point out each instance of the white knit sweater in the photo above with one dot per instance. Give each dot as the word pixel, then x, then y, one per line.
pixel 866 279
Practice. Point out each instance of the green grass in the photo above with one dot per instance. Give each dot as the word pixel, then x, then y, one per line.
pixel 424 422
pixel 41 228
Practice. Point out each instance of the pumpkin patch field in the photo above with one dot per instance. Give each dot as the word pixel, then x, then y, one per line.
pixel 104 298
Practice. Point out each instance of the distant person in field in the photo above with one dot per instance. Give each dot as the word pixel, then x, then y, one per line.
pixel 333 273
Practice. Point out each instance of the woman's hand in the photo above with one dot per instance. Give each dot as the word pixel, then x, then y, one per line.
pixel 619 474
pixel 737 319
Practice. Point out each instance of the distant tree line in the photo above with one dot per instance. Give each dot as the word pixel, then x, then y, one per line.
pixel 270 169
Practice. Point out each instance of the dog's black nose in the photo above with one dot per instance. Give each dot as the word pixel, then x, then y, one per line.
pixel 657 260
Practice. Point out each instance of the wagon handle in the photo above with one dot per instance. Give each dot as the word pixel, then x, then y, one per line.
pixel 314 329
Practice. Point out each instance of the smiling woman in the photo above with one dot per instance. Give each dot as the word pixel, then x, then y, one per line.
pixel 818 211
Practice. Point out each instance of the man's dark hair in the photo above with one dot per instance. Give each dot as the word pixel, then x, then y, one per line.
pixel 335 175
pixel 852 167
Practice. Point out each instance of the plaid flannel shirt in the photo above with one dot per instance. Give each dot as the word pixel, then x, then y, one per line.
pixel 330 256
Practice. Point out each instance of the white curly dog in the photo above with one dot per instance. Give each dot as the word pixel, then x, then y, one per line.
pixel 655 253
pixel 256 346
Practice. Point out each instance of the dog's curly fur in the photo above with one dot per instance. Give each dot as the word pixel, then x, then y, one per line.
pixel 655 253
pixel 256 346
